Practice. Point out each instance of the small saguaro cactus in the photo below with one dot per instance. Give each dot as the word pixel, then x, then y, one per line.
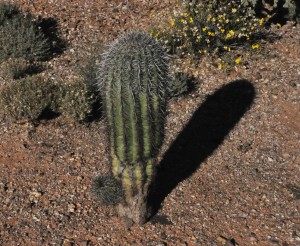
pixel 133 80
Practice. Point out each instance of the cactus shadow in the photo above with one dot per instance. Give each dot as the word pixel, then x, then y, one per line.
pixel 203 134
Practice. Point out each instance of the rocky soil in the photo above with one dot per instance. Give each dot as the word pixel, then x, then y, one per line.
pixel 228 171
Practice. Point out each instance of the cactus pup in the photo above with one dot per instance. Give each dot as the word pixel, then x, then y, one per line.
pixel 133 81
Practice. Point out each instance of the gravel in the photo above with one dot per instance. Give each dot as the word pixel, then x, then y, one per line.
pixel 229 167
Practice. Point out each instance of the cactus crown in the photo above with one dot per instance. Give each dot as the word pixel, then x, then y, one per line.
pixel 133 79
pixel 136 52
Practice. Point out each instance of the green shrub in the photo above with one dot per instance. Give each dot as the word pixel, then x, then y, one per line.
pixel 277 9
pixel 16 68
pixel 21 36
pixel 26 98
pixel 199 27
pixel 179 84
pixel 29 97
pixel 8 11
pixel 89 64
pixel 74 100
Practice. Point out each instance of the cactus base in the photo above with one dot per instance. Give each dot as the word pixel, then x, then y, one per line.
pixel 134 210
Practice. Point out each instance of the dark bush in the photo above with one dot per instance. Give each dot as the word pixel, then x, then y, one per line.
pixel 22 37
pixel 179 84
pixel 88 65
pixel 107 189
pixel 7 12
pixel 277 10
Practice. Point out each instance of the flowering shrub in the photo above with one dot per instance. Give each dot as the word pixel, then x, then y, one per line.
pixel 210 26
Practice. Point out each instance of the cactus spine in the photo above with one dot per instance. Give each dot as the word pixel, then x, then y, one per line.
pixel 133 79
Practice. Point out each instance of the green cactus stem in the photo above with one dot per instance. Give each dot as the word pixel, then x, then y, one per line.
pixel 133 80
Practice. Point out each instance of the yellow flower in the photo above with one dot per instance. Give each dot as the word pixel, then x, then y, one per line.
pixel 200 51
pixel 248 38
pixel 269 16
pixel 183 21
pixel 204 29
pixel 186 14
pixel 233 10
pixel 172 23
pixel 210 33
pixel 279 25
pixel 255 46
pixel 252 27
pixel 229 34
pixel 238 60
pixel 191 20
pixel 222 30
pixel 227 48
pixel 220 65
pixel 151 34
pixel 213 19
pixel 261 22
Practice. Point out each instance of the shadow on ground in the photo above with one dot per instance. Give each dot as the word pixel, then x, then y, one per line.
pixel 206 130
pixel 50 29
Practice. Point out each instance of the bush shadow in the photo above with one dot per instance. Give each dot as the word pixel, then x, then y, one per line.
pixel 48 114
pixel 206 130
pixel 49 27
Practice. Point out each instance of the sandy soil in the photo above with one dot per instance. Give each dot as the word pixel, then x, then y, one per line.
pixel 228 171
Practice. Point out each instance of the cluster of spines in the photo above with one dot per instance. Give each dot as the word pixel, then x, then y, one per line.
pixel 134 77
pixel 107 189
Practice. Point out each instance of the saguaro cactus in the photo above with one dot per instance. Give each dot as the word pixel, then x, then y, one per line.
pixel 133 79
